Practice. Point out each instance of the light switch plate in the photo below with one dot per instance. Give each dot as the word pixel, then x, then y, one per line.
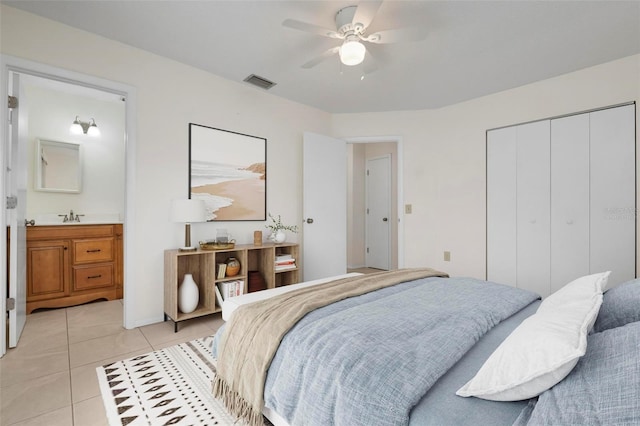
pixel 407 208
pixel 447 256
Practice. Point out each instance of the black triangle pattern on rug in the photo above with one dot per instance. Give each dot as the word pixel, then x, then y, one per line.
pixel 171 386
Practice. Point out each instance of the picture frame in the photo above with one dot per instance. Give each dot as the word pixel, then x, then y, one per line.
pixel 228 171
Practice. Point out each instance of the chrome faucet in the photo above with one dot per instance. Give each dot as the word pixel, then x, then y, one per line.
pixel 75 218
pixel 70 217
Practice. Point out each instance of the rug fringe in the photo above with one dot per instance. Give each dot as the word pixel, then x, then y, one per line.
pixel 236 405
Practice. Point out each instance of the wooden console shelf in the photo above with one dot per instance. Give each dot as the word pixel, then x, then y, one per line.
pixel 203 265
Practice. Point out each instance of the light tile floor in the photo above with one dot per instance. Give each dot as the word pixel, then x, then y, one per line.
pixel 50 378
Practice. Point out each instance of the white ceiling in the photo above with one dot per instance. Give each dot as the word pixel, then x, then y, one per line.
pixel 472 48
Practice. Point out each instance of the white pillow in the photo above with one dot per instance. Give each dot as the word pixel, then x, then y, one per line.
pixel 544 348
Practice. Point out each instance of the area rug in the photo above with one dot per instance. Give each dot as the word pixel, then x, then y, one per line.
pixel 171 386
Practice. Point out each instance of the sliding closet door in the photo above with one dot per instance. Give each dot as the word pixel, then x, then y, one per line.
pixel 501 206
pixel 613 193
pixel 533 207
pixel 569 199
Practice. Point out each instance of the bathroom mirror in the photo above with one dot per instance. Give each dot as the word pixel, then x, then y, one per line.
pixel 58 167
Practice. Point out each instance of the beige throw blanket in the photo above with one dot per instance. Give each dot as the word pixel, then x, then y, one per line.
pixel 254 332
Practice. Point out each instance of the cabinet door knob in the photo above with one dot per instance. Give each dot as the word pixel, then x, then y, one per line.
pixel 309 220
pixel 29 222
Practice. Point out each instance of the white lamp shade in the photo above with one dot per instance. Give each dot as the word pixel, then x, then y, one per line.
pixel 76 129
pixel 188 211
pixel 352 52
pixel 93 131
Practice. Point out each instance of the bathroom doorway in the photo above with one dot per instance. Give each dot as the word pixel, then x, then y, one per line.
pixel 52 100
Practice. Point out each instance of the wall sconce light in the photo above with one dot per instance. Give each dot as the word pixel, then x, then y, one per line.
pixel 88 128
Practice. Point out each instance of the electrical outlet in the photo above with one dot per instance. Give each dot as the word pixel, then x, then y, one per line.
pixel 447 256
pixel 407 208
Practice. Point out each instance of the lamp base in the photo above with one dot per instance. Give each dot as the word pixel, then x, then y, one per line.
pixel 188 248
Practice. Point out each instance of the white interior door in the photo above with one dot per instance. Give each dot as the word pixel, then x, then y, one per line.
pixel 501 206
pixel 324 248
pixel 569 199
pixel 613 203
pixel 533 207
pixel 17 186
pixel 378 212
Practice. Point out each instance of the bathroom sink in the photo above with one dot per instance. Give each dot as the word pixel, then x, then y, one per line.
pixel 88 219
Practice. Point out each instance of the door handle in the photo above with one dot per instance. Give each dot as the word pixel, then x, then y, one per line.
pixel 384 219
pixel 309 220
pixel 29 222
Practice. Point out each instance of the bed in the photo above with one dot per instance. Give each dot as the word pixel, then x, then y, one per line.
pixel 435 350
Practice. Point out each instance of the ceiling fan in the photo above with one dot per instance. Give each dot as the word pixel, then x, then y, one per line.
pixel 351 25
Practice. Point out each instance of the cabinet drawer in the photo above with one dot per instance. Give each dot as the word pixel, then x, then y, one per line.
pixel 93 250
pixel 90 277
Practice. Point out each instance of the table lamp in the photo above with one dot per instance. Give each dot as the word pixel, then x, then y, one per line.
pixel 188 212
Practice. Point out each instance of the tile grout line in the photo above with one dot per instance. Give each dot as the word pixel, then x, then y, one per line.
pixel 66 317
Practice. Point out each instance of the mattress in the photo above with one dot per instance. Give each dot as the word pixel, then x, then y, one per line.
pixel 233 303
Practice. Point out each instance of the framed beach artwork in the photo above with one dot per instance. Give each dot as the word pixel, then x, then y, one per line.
pixel 228 170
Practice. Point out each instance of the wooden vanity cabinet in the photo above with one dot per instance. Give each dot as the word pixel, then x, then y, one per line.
pixel 47 269
pixel 73 264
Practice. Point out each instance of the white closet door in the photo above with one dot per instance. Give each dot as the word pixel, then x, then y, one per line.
pixel 613 193
pixel 501 206
pixel 533 207
pixel 569 199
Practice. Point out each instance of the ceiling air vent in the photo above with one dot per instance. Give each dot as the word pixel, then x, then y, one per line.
pixel 261 82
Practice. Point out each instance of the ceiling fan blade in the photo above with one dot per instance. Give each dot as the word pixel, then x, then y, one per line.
pixel 310 28
pixel 370 64
pixel 397 35
pixel 365 12
pixel 327 54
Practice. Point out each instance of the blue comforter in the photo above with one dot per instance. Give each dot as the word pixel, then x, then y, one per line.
pixel 369 359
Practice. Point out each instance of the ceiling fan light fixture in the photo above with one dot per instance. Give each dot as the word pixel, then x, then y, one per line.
pixel 352 52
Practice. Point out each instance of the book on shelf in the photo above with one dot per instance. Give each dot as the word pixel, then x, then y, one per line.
pixel 222 270
pixel 229 289
pixel 284 262
pixel 219 296
pixel 285 267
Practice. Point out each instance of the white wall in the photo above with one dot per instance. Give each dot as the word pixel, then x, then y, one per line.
pixel 51 113
pixel 444 156
pixel 170 95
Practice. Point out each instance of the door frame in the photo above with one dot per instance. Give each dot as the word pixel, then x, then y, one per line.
pixel 22 66
pixel 399 181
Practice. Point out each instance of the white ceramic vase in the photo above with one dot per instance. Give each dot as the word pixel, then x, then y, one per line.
pixel 188 295
pixel 279 236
